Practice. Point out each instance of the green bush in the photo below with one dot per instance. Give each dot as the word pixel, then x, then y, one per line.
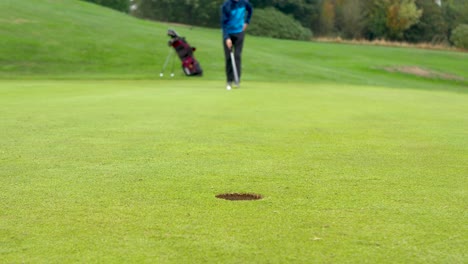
pixel 272 23
pixel 460 36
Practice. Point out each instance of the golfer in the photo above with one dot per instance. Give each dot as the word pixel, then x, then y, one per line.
pixel 235 17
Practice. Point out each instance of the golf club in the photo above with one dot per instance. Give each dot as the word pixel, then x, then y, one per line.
pixel 234 68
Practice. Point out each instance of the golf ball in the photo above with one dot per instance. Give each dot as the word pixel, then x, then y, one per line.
pixel 161 75
pixel 172 75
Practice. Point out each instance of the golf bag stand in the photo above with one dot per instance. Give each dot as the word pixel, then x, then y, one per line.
pixel 190 65
pixel 170 57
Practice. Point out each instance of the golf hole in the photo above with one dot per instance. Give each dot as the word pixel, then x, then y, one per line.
pixel 239 196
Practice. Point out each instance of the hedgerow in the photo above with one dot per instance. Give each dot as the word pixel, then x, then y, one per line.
pixel 272 23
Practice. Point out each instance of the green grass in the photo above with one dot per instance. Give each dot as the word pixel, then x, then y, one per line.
pixel 77 40
pixel 103 162
pixel 127 171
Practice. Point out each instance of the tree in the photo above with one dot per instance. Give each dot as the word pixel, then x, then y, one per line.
pixel 327 17
pixel 432 27
pixel 455 13
pixel 460 36
pixel 401 14
pixel 193 12
pixel 307 12
pixel 275 24
pixel 375 17
pixel 352 19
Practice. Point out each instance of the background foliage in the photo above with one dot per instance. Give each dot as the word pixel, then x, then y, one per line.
pixel 272 23
pixel 460 36
pixel 402 20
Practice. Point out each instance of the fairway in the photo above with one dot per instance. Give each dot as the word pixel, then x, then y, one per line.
pixel 127 171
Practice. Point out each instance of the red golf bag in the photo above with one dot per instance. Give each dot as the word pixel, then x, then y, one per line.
pixel 190 65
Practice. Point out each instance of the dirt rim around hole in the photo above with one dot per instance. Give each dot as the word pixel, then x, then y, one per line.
pixel 239 196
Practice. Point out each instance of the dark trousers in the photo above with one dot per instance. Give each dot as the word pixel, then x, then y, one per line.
pixel 237 45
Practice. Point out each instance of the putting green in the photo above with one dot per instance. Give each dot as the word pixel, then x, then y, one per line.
pixel 128 171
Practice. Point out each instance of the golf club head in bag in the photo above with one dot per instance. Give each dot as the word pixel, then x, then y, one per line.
pixel 172 33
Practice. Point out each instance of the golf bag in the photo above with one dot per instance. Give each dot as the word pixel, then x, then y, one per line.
pixel 190 65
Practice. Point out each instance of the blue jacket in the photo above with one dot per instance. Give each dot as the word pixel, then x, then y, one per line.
pixel 234 14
